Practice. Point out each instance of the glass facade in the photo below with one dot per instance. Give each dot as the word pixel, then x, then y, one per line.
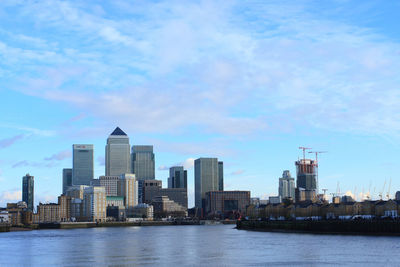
pixel 82 164
pixel 117 153
pixel 28 190
pixel 67 180
pixel 206 179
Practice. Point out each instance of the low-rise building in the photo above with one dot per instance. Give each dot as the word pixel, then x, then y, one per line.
pixel 226 203
pixel 164 207
pixel 48 213
pixel 144 211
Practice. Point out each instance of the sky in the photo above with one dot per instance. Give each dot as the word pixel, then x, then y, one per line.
pixel 248 82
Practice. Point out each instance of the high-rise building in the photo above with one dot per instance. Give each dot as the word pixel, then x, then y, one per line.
pixel 221 175
pixel 306 180
pixel 94 203
pixel 286 186
pixel 206 179
pixel 82 164
pixel 128 188
pixel 177 177
pixel 143 165
pixel 117 153
pixel 67 180
pixel 306 174
pixel 28 191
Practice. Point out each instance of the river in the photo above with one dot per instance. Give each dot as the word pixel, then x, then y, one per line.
pixel 206 245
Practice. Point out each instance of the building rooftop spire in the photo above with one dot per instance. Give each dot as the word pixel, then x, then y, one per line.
pixel 118 131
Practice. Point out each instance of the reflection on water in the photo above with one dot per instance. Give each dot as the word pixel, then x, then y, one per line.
pixel 216 245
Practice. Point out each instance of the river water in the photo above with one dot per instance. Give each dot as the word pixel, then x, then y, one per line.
pixel 214 245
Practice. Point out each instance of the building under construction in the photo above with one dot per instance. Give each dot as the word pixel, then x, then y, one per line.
pixel 306 180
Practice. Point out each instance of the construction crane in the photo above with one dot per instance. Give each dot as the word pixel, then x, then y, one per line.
pixel 383 190
pixel 316 164
pixel 304 151
pixel 388 192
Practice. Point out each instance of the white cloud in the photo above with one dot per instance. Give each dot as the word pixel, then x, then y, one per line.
pixel 208 66
pixel 10 196
pixel 163 168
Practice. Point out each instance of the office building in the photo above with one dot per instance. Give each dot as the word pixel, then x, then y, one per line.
pixel 221 175
pixel 177 177
pixel 397 196
pixel 82 164
pixel 67 179
pixel 226 203
pixel 207 178
pixel 143 165
pixel 286 186
pixel 76 191
pixel 153 188
pixel 164 207
pixel 28 191
pixel 117 153
pixel 144 211
pixel 110 183
pixel 94 203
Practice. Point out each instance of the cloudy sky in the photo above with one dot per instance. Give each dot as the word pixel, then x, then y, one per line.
pixel 245 81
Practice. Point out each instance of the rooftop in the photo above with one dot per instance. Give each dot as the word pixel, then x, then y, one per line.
pixel 118 131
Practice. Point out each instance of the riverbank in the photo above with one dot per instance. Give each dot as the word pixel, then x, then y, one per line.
pixel 75 225
pixel 5 228
pixel 355 227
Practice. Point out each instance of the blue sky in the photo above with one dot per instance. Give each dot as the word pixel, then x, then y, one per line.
pixel 245 81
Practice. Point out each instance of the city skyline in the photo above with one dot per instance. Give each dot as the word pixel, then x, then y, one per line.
pixel 247 83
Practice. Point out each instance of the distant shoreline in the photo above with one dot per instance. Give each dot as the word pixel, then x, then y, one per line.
pixel 331 227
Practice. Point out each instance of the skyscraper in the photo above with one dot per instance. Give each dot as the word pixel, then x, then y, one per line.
pixel 177 177
pixel 28 190
pixel 221 176
pixel 128 188
pixel 67 180
pixel 117 153
pixel 286 185
pixel 82 164
pixel 206 178
pixel 143 165
pixel 306 180
pixel 306 175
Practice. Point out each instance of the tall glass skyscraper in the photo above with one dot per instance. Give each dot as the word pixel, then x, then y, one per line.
pixel 82 164
pixel 177 177
pixel 118 160
pixel 28 190
pixel 67 180
pixel 143 165
pixel 206 179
